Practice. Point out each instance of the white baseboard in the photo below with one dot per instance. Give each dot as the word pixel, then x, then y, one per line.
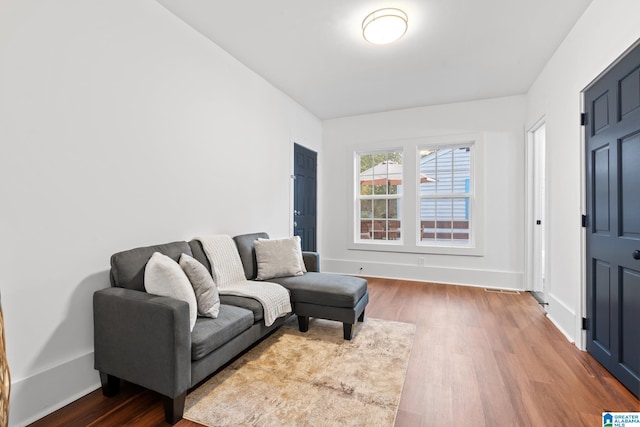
pixel 43 393
pixel 513 280
pixel 562 317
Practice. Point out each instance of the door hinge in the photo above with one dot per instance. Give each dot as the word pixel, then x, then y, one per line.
pixel 585 221
pixel 583 119
pixel 585 324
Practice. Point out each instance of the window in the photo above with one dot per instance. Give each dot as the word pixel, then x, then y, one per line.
pixel 429 202
pixel 380 195
pixel 445 195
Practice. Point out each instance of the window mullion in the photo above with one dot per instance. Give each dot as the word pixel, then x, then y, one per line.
pixel 380 197
pixel 445 196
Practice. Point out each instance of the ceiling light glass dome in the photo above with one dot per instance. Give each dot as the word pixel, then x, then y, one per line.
pixel 384 26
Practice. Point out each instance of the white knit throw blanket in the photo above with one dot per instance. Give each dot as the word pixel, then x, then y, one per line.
pixel 228 274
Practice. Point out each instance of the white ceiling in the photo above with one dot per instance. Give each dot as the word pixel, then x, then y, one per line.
pixel 454 50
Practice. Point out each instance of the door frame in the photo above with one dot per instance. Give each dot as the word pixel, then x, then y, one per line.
pixel 529 205
pixel 581 334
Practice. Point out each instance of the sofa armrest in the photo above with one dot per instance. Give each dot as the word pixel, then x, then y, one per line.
pixel 311 261
pixel 143 339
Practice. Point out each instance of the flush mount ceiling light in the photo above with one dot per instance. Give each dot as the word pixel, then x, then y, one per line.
pixel 384 26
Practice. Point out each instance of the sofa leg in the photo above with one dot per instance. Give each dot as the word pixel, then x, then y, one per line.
pixel 303 323
pixel 347 329
pixel 110 384
pixel 174 408
pixel 361 318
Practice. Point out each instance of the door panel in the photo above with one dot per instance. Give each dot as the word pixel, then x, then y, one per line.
pixel 630 320
pixel 305 196
pixel 630 92
pixel 600 112
pixel 629 182
pixel 601 190
pixel 602 315
pixel 612 141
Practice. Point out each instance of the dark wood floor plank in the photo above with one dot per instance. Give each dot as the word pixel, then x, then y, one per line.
pixel 479 358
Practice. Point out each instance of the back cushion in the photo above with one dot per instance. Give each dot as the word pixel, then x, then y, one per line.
pixel 198 253
pixel 247 252
pixel 127 267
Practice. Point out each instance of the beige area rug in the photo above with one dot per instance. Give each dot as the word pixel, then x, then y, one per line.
pixel 310 379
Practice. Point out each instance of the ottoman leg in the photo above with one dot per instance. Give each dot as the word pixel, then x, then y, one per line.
pixel 347 329
pixel 303 323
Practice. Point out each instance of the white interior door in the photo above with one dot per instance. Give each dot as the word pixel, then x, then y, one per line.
pixel 535 236
pixel 538 209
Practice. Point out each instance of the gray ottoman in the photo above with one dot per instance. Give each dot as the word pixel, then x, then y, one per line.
pixel 327 296
pixel 314 294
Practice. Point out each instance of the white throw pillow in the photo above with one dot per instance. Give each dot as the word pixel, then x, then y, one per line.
pixel 203 286
pixel 163 276
pixel 303 267
pixel 278 257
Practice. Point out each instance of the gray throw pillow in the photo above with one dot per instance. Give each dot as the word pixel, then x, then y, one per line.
pixel 203 286
pixel 163 276
pixel 278 257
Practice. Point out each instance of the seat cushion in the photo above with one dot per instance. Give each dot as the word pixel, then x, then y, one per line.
pixel 333 290
pixel 208 334
pixel 245 302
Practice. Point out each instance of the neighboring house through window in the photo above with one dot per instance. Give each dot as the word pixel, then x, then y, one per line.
pixel 445 193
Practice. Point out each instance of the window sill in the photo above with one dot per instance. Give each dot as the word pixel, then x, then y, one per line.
pixel 399 247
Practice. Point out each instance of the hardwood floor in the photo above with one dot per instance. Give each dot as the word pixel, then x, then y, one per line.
pixel 479 359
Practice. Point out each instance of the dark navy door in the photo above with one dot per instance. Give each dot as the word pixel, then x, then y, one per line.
pixel 305 164
pixel 612 137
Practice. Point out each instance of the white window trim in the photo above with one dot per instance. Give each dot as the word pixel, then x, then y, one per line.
pixel 410 213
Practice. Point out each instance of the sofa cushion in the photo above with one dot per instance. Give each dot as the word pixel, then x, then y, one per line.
pixel 278 257
pixel 163 276
pixel 127 267
pixel 209 334
pixel 244 242
pixel 324 289
pixel 245 302
pixel 203 286
pixel 198 253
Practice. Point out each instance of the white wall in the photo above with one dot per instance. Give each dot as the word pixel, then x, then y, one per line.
pixel 605 31
pixel 500 121
pixel 120 126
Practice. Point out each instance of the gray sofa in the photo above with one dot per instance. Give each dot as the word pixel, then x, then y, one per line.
pixel 145 339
